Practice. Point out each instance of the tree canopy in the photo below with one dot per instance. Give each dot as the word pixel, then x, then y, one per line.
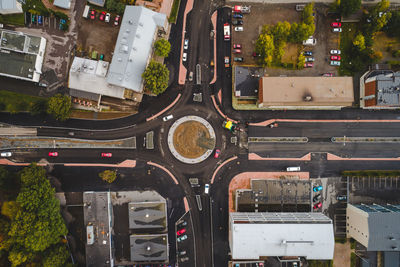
pixel 59 106
pixel 265 47
pixel 108 176
pixel 392 28
pixel 156 77
pixel 348 7
pixel 162 47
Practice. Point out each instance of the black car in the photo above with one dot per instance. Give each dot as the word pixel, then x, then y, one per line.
pixel 238 59
pixel 316 198
pixel 307 53
pixel 237 22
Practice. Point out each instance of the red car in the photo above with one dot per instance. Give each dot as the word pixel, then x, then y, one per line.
pixel 336 24
pixel 217 153
pixel 180 232
pixel 106 155
pixel 92 14
pixel 237 46
pixel 237 51
pixel 116 21
pixel 318 205
pixel 329 74
pixel 53 154
pixel 335 57
pixel 102 15
pixel 308 65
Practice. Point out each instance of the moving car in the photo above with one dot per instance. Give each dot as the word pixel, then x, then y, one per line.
pixel 186 44
pixel 316 198
pixel 184 259
pixel 327 74
pixel 237 22
pixel 116 20
pixel 53 154
pixel 217 153
pixel 5 154
pixel 167 118
pixel 308 65
pixel 237 46
pixel 237 15
pixel 336 24
pixel 309 59
pixel 181 232
pixel 239 29
pixel 182 224
pixel 337 30
pixel 181 253
pixel 340 198
pixel 237 51
pixel 335 63
pixel 317 188
pixel 226 60
pixel 106 155
pixel 102 15
pixel 307 53
pixel 206 188
pixel 318 205
pixel 92 14
pixel 238 59
pixel 335 52
pixel 293 169
pixel 107 18
pixel 191 76
pixel 335 57
pixel 181 238
pixel 184 57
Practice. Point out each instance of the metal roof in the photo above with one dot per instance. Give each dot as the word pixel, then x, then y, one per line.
pixel 63 3
pixel 388 89
pixel 147 248
pixel 257 235
pixel 97 2
pixel 10 5
pixel 134 46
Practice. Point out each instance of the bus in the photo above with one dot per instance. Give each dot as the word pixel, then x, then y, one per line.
pixel 227 32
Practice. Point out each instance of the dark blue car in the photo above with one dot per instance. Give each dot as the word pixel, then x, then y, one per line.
pixel 308 53
pixel 237 15
pixel 40 20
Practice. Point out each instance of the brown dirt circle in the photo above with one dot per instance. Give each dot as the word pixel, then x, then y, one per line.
pixel 186 138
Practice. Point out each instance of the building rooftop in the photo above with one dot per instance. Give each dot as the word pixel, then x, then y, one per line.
pixel 134 47
pixel 66 4
pixel 306 91
pixel 388 89
pixel 10 6
pixel 147 215
pixel 246 81
pixel 149 248
pixel 256 235
pixel 97 2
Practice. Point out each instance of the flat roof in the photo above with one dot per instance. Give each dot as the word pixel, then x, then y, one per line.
pixel 149 248
pixel 246 81
pixel 292 91
pixel 256 235
pixel 66 4
pixel 147 215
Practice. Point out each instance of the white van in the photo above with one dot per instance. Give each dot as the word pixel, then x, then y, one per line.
pixel 86 12
pixel 310 41
pixel 293 169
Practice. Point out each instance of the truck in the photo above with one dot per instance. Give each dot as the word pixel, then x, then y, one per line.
pixel 86 12
pixel 229 125
pixel 242 9
pixel 227 32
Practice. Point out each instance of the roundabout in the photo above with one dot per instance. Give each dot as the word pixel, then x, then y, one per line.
pixel 191 139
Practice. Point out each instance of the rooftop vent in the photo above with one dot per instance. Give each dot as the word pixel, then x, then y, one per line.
pixel 308 98
pixel 130 22
pixel 141 24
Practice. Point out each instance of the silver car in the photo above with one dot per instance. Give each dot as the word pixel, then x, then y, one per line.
pixel 335 63
pixel 5 154
pixel 181 238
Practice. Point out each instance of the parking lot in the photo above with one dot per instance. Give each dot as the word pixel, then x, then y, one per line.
pixel 271 14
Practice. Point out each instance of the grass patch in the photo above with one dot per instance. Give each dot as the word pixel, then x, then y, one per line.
pixel 340 240
pixel 352 243
pixel 291 54
pixel 315 263
pixel 36 7
pixel 14 102
pixel 386 45
pixel 349 32
pixel 14 19
pixel 353 259
pixel 174 11
pixel 372 173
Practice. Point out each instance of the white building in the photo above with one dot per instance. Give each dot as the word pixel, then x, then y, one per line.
pixel 261 234
pixel 10 7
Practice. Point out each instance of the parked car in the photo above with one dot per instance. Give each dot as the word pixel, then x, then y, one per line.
pixel 335 52
pixel 107 18
pixel 191 76
pixel 181 238
pixel 341 198
pixel 327 74
pixel 62 22
pixel 186 44
pixel 5 154
pixel 239 29
pixel 33 18
pixel 184 57
pixel 238 59
pixel 308 65
pixel 307 53
pixel 206 188
pixel 237 46
pixel 237 51
pixel 237 22
pixel 217 153
pixel 337 30
pixel 167 118
pixel 184 259
pixel 336 24
pixel 255 54
pixel 335 58
pixel 335 63
pixel 181 232
pixel 92 14
pixel 53 154
pixel 317 188
pixel 182 224
pixel 226 60
pixel 318 205
pixel 310 59
pixel 106 155
pixel 116 20
pixel 237 15
pixel 40 20
pixel 102 15
pixel 316 198
pixel 181 253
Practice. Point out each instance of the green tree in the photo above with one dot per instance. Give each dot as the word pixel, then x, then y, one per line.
pixel 55 256
pixel 9 209
pixel 265 47
pixel 359 42
pixel 392 28
pixel 162 47
pixel 279 50
pixel 281 31
pixel 300 61
pixel 108 176
pixel 307 14
pixel 156 77
pixel 348 7
pixel 59 106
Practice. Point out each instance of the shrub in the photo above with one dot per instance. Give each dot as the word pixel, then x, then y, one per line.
pixel 108 176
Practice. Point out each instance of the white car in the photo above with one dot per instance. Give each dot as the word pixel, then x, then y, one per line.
pixel 335 63
pixel 167 118
pixel 186 44
pixel 5 154
pixel 337 30
pixel 206 188
pixel 335 52
pixel 184 57
pixel 239 29
pixel 107 18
